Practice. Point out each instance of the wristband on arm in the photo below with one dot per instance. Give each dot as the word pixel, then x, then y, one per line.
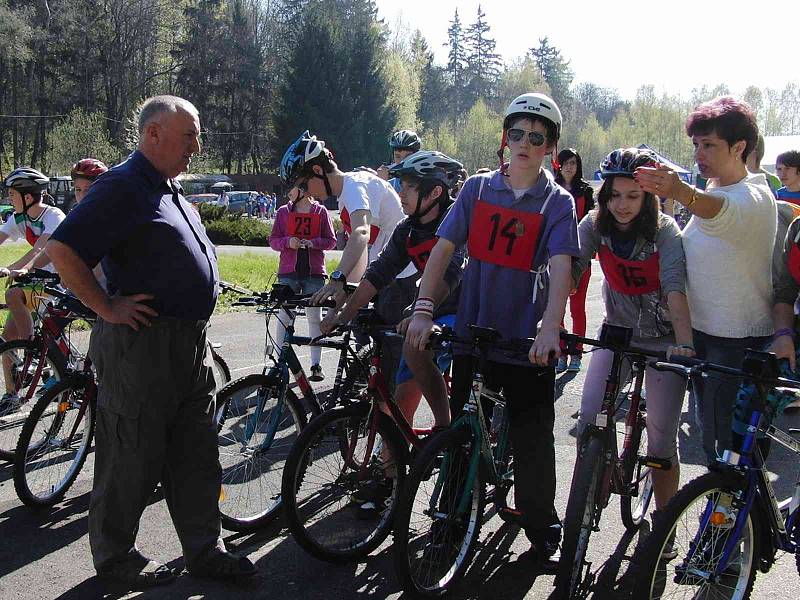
pixel 783 331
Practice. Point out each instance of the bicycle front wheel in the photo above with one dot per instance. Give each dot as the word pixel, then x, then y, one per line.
pixel 257 428
pixel 340 497
pixel 54 443
pixel 579 519
pixel 440 515
pixel 633 508
pixel 24 384
pixel 222 374
pixel 680 557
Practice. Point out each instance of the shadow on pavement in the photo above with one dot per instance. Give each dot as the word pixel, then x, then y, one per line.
pixel 28 535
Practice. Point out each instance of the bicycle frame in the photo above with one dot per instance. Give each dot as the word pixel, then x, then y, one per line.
pixel 756 490
pixel 496 461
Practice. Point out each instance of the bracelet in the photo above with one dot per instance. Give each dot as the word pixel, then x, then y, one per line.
pixel 424 304
pixel 694 198
pixel 783 331
pixel 427 313
pixel 686 347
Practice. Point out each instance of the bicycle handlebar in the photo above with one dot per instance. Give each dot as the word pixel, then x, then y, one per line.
pixel 38 276
pixel 684 365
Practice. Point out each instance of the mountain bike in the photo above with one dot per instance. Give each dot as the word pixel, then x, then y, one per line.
pixel 259 416
pixel 602 467
pixel 440 511
pixel 724 526
pixel 31 366
pixel 359 445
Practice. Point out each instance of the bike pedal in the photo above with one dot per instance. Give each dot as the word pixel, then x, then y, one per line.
pixel 655 463
pixel 510 515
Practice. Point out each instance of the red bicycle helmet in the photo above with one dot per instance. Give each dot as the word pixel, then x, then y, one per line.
pixel 88 168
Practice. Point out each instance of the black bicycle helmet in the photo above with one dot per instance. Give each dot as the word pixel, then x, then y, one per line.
pixel 405 139
pixel 623 162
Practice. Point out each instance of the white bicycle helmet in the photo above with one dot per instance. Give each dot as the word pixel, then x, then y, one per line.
pixel 27 180
pixel 534 103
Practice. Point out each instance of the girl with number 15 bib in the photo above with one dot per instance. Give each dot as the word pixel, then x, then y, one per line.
pixel 520 230
pixel 641 255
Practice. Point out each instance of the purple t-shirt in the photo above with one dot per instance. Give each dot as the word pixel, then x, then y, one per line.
pixel 501 297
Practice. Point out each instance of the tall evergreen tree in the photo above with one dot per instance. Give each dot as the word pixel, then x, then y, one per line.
pixel 457 63
pixel 335 85
pixel 556 71
pixel 483 63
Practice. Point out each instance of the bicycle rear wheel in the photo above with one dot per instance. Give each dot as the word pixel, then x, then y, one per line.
pixel 688 538
pixel 328 468
pixel 222 374
pixel 579 519
pixel 256 431
pixel 634 509
pixel 21 358
pixel 434 541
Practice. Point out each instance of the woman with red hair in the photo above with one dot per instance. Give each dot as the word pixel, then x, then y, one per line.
pixel 728 245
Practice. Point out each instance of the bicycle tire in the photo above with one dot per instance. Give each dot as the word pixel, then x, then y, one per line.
pixel 222 373
pixel 653 573
pixel 244 463
pixel 33 457
pixel 455 447
pixel 579 517
pixel 343 534
pixel 633 509
pixel 24 352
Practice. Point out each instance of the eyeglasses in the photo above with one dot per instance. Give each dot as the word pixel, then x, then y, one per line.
pixel 534 137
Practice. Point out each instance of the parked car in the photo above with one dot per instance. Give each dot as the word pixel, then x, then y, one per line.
pixel 63 193
pixel 202 199
pixel 242 202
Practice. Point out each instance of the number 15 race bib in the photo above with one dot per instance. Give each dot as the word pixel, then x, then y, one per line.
pixel 504 236
pixel 305 226
pixel 630 277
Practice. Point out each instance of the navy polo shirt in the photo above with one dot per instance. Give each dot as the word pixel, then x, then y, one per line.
pixel 149 238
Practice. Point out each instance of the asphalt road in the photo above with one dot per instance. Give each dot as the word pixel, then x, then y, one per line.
pixel 45 554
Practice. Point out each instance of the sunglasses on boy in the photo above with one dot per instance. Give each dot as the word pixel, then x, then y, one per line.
pixel 534 137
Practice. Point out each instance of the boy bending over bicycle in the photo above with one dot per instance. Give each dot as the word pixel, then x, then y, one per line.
pixel 426 178
pixel 521 234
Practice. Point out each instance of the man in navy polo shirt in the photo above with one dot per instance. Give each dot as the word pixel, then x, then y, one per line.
pixel 155 404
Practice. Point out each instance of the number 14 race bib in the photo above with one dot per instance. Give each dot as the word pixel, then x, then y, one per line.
pixel 504 236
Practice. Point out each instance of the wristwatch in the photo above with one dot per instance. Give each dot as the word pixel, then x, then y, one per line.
pixel 338 277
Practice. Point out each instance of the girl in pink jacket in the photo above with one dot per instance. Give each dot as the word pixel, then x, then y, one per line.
pixel 302 231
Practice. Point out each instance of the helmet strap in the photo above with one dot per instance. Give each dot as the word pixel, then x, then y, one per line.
pixel 503 146
pixel 554 158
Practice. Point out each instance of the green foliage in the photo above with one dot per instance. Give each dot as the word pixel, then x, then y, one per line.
pixel 555 70
pixel 479 139
pixel 239 232
pixel 80 135
pixel 336 83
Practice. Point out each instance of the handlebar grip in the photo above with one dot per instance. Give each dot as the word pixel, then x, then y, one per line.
pixel 684 361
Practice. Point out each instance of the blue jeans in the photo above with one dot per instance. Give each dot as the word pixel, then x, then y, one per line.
pixel 442 358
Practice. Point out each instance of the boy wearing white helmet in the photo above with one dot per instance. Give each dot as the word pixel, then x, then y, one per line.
pixel 520 230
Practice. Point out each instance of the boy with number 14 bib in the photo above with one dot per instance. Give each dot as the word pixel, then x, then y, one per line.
pixel 520 230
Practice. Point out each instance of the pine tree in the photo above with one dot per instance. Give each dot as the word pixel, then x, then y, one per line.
pixel 483 63
pixel 556 71
pixel 457 64
pixel 336 86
